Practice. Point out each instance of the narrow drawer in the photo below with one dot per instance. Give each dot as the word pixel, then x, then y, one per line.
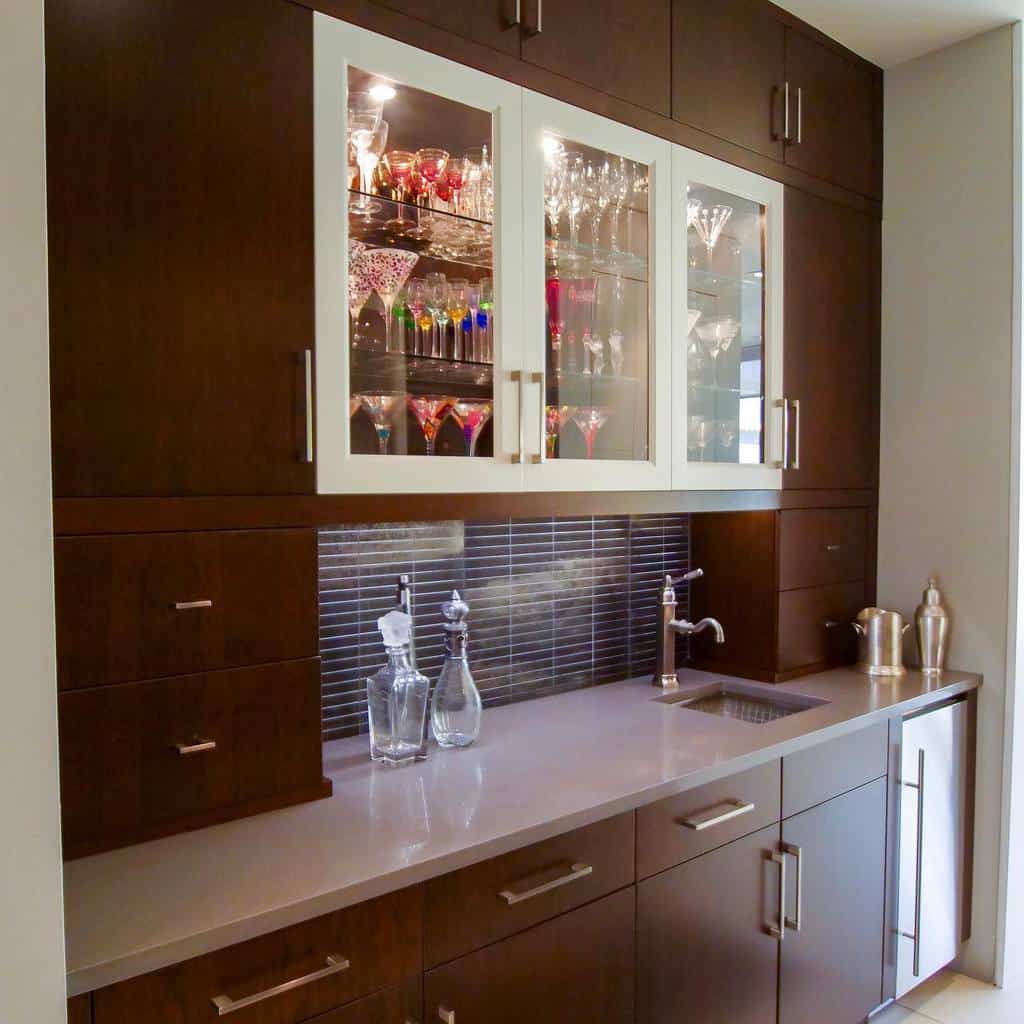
pixel 149 605
pixel 815 626
pixel 820 773
pixel 682 827
pixel 137 757
pixel 485 902
pixel 392 1006
pixel 819 546
pixel 327 962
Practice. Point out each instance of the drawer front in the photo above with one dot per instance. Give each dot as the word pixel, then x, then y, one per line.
pixel 138 756
pixel 685 826
pixel 578 968
pixel 485 902
pixel 820 773
pixel 150 605
pixel 815 626
pixel 393 1006
pixel 819 546
pixel 379 940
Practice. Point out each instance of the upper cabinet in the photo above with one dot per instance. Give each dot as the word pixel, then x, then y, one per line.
pixel 494 23
pixel 835 119
pixel 728 70
pixel 180 207
pixel 610 47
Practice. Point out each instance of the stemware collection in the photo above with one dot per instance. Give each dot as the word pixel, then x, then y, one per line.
pixel 430 412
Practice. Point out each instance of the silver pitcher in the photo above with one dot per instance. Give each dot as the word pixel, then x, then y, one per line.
pixel 880 643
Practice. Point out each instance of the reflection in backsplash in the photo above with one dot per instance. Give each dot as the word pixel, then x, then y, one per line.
pixel 556 604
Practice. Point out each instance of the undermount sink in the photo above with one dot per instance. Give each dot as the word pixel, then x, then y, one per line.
pixel 745 702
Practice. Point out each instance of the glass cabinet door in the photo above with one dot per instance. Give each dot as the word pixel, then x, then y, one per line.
pixel 597 246
pixel 727 325
pixel 417 162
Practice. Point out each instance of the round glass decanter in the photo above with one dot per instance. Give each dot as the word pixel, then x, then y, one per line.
pixel 456 708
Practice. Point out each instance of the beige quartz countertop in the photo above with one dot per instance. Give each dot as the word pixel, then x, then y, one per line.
pixel 540 768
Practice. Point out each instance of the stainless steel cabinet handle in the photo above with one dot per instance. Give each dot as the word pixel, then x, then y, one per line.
pixel 918 876
pixel 199 747
pixel 538 379
pixel 448 1016
pixel 830 624
pixel 516 376
pixel 783 404
pixel 307 455
pixel 785 112
pixel 795 403
pixel 226 1005
pixel 795 851
pixel 778 931
pixel 833 548
pixel 716 815
pixel 518 16
pixel 576 872
pixel 187 606
pixel 538 26
pixel 799 116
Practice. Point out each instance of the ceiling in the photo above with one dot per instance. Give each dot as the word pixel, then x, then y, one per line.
pixel 889 32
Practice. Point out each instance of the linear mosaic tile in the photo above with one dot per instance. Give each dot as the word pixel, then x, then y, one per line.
pixel 555 604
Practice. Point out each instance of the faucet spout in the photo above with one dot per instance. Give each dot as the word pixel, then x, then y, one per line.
pixel 710 623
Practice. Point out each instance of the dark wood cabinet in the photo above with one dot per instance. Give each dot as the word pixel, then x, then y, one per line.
pixel 814 628
pixel 831 355
pixel 578 967
pixel 836 855
pixel 401 1005
pixel 704 951
pixel 818 546
pixel 605 45
pixel 836 115
pixel 80 1009
pixel 180 208
pixel 494 23
pixel 728 70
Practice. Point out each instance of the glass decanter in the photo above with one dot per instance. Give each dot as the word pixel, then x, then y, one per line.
pixel 456 709
pixel 397 699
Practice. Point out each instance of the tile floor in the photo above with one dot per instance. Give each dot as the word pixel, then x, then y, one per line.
pixel 951 998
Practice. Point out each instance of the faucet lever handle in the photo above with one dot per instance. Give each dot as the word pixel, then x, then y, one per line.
pixel 694 574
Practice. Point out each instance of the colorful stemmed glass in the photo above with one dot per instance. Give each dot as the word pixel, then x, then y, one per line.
pixel 389 270
pixel 399 164
pixel 379 407
pixel 455 175
pixel 555 417
pixel 430 414
pixel 590 420
pixel 553 295
pixel 431 163
pixel 369 144
pixel 473 416
pixel 360 288
pixel 417 301
pixel 437 304
pixel 457 307
pixel 485 320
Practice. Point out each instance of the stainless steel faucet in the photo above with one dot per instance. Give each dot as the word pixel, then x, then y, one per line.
pixel 668 625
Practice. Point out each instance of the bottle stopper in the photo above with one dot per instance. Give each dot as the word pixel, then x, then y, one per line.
pixel 395 628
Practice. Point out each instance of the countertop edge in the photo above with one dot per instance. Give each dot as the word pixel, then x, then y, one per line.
pixel 96 976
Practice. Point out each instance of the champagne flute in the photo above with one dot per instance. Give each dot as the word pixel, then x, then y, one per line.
pixel 485 319
pixel 599 193
pixel 457 306
pixel 474 314
pixel 575 189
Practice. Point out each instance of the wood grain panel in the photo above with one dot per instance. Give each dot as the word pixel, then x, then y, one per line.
pixel 402 1005
pixel 180 209
pixel 116 597
pixel 380 939
pixel 814 626
pixel 123 777
pixel 80 1009
pixel 820 546
pixel 491 22
pixel 464 910
pixel 578 967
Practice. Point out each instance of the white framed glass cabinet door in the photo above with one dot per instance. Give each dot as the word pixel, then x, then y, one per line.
pixel 727 323
pixel 418 269
pixel 596 281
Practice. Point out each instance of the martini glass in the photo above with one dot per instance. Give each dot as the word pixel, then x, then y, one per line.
pixel 555 417
pixel 473 416
pixel 389 270
pixel 360 288
pixel 379 407
pixel 717 336
pixel 710 222
pixel 590 420
pixel 693 208
pixel 354 404
pixel 430 414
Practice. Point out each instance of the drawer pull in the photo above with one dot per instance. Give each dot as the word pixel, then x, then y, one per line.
pixel 226 1005
pixel 577 872
pixel 187 606
pixel 833 548
pixel 199 747
pixel 716 815
pixel 448 1016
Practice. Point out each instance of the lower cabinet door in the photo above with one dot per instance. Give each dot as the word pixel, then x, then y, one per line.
pixel 831 959
pixel 578 967
pixel 704 950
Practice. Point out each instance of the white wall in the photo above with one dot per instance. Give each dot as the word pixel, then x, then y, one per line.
pixel 947 328
pixel 31 942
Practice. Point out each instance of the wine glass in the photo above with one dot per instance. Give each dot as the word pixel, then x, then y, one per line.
pixel 728 431
pixel 615 343
pixel 431 164
pixel 621 184
pixel 474 314
pixel 555 417
pixel 485 319
pixel 437 299
pixel 554 189
pixel 457 307
pixel 399 164
pixel 709 224
pixel 590 419
pixel 479 184
pixel 600 196
pixel 430 414
pixel 369 144
pixel 455 173
pixel 416 299
pixel 378 407
pixel 574 187
pixel 390 269
pixel 699 434
pixel 553 295
pixel 473 416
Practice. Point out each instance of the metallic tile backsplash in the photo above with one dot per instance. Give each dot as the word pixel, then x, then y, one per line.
pixel 555 604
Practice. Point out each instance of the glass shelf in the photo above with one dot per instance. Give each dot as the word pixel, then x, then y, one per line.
pixel 420 375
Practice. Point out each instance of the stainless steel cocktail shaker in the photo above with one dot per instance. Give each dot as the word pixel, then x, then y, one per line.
pixel 932 622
